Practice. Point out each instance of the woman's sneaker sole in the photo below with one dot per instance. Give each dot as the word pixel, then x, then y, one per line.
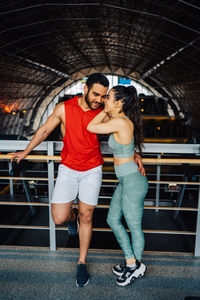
pixel 117 273
pixel 136 274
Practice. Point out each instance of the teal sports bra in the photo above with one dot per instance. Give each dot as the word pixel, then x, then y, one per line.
pixel 121 150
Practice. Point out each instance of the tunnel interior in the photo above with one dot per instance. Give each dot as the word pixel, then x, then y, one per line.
pixel 46 46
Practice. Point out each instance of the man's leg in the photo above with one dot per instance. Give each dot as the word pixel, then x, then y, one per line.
pixel 61 213
pixel 85 234
pixel 85 229
pixel 89 187
pixel 65 191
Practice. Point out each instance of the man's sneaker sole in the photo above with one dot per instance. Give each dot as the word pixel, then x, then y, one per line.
pixel 82 275
pixel 73 233
pixel 83 284
pixel 77 221
pixel 137 274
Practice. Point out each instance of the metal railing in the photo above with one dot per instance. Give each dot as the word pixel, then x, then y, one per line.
pixel 150 149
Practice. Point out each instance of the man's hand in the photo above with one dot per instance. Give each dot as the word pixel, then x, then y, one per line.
pixel 138 161
pixel 17 155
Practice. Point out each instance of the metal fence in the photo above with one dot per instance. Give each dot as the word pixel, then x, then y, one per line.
pixel 159 152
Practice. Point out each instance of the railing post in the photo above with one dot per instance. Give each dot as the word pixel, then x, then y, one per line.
pixel 180 196
pixel 197 240
pixel 158 184
pixel 52 230
pixel 11 181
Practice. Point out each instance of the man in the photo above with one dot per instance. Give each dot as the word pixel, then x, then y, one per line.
pixel 80 171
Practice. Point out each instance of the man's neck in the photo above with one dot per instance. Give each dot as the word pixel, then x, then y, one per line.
pixel 83 104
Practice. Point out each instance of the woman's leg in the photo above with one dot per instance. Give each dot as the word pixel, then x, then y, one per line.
pixel 134 189
pixel 114 221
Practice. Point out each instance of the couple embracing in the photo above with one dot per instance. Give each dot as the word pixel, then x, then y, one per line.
pixel 80 172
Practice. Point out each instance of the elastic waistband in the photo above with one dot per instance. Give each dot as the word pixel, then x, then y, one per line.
pixel 125 169
pixel 124 155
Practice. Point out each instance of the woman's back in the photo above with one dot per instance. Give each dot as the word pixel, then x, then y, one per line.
pixel 121 150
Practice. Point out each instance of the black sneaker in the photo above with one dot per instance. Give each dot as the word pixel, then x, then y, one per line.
pixel 82 276
pixel 119 269
pixel 130 274
pixel 73 225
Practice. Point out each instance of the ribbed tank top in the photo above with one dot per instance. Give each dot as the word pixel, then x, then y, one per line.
pixel 121 150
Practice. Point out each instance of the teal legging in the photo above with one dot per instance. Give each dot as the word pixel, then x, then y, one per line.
pixel 128 200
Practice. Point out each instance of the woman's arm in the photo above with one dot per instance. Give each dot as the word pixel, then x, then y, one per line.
pixel 97 125
pixel 106 118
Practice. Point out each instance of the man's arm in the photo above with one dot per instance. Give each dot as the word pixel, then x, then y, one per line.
pixel 41 134
pixel 138 161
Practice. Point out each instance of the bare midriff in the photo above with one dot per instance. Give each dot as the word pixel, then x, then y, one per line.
pixel 119 161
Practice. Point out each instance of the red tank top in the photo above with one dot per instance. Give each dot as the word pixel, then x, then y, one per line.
pixel 81 150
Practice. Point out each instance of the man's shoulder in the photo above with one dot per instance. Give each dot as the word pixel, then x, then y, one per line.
pixel 59 109
pixel 72 101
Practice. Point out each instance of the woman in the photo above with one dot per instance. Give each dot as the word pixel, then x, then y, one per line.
pixel 128 198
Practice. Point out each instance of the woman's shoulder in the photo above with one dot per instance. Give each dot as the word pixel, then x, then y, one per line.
pixel 126 126
pixel 125 121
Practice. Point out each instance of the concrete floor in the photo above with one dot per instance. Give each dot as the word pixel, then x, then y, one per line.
pixel 30 273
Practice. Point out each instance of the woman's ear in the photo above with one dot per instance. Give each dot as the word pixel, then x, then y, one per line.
pixel 118 103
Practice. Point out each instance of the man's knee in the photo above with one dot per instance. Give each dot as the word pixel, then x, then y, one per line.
pixel 86 217
pixel 60 216
pixel 59 220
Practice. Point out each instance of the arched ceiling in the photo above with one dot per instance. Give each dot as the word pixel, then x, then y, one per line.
pixel 46 43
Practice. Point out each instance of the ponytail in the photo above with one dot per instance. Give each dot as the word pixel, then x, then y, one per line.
pixel 131 108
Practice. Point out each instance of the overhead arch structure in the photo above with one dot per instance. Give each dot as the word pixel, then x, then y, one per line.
pixel 46 45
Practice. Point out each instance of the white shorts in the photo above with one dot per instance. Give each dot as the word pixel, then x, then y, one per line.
pixel 71 183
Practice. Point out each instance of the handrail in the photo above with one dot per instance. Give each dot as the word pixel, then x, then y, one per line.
pixel 110 159
pixel 34 157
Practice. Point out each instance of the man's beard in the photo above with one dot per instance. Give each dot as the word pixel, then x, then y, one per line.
pixel 89 104
pixel 87 100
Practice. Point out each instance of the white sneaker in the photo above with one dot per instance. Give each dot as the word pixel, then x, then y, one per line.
pixel 130 274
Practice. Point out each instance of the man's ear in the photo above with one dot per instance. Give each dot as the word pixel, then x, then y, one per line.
pixel 85 89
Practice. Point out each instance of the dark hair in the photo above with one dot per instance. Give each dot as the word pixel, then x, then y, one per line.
pixel 97 78
pixel 131 108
